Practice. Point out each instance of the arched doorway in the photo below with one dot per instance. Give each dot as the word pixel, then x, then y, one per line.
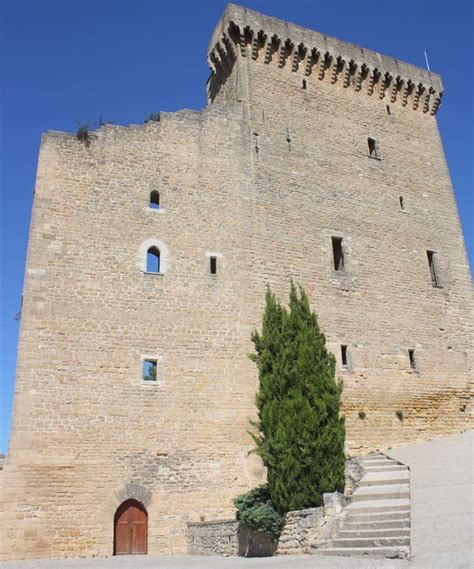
pixel 130 529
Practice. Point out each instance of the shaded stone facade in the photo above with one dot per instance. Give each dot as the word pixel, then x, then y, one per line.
pixel 262 180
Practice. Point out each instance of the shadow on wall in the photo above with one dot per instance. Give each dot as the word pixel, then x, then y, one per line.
pixel 253 543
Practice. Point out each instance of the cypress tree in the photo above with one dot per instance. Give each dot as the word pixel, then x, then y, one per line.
pixel 300 434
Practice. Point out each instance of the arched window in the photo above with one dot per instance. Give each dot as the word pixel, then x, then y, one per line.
pixel 153 260
pixel 153 256
pixel 155 200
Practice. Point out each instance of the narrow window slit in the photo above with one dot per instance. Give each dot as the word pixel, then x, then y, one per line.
pixel 411 355
pixel 304 84
pixel 344 359
pixel 338 254
pixel 402 204
pixel 213 265
pixel 433 264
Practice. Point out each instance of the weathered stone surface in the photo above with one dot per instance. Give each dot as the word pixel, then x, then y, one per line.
pixel 213 538
pixel 334 502
pixel 302 527
pixel 228 537
pixel 353 473
pixel 262 179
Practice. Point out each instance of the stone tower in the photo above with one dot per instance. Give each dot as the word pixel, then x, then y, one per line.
pixel 315 160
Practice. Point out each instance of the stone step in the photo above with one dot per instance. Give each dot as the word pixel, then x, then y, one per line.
pixel 381 492
pixel 380 462
pixel 379 506
pixel 373 533
pixel 388 552
pixel 386 468
pixel 369 541
pixel 380 516
pixel 373 455
pixel 356 523
pixel 381 478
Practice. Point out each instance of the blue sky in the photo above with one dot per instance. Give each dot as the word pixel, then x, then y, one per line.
pixel 68 60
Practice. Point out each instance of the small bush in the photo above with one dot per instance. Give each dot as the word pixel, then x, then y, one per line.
pixel 255 509
pixel 362 415
pixel 399 414
pixel 83 133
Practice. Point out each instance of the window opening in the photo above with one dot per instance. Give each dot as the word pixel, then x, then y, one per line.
pixel 153 260
pixel 411 355
pixel 388 110
pixel 304 83
pixel 213 265
pixel 433 268
pixel 149 370
pixel 402 204
pixel 373 148
pixel 338 253
pixel 345 361
pixel 155 200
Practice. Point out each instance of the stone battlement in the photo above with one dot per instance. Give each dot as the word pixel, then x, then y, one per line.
pixel 255 35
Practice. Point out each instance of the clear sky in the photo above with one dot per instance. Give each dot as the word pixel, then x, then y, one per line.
pixel 68 60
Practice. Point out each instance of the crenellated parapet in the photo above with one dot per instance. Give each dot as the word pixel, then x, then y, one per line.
pixel 248 34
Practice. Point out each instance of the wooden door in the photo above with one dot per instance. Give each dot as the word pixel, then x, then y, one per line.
pixel 131 529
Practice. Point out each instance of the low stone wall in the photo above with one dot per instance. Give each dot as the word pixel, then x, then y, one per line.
pixel 228 537
pixel 303 530
pixel 302 527
pixel 218 537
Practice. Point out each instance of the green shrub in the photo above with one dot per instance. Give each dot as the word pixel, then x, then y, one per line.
pixel 83 133
pixel 255 509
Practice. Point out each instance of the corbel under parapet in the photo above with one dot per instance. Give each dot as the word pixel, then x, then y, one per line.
pixel 242 38
pixel 299 55
pixel 312 58
pixel 361 76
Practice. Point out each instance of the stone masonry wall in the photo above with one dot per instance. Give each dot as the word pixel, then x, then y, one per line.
pixel 315 180
pixel 88 432
pixel 262 179
pixel 213 538
pixel 302 527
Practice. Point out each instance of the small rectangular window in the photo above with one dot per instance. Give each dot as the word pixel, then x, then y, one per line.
pixel 402 203
pixel 373 148
pixel 338 254
pixel 213 265
pixel 344 358
pixel 433 263
pixel 411 355
pixel 149 370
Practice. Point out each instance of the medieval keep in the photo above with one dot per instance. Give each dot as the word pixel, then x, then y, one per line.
pixel 150 250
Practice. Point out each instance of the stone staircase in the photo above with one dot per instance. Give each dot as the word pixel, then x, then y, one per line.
pixel 376 522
